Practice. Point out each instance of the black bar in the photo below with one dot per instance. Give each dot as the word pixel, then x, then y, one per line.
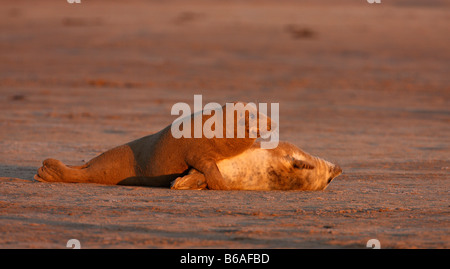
pixel 297 258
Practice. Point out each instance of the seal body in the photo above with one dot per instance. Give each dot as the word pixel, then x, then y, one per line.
pixel 158 159
pixel 283 168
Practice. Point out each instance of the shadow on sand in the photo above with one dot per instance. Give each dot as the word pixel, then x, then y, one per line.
pixel 17 173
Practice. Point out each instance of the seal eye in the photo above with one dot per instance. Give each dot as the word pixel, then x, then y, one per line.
pixel 252 116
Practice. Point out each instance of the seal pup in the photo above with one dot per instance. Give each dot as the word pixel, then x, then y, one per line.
pixel 285 167
pixel 158 159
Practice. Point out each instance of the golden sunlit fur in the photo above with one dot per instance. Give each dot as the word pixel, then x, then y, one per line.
pixel 283 168
pixel 157 159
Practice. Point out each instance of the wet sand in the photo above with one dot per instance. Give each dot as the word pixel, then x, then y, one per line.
pixel 365 86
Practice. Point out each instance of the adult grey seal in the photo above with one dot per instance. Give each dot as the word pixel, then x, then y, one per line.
pixel 285 167
pixel 158 159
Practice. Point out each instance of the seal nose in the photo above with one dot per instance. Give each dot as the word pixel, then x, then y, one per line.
pixel 269 123
pixel 265 131
pixel 273 125
pixel 337 171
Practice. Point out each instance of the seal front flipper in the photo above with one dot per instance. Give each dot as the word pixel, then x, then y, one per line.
pixel 211 172
pixel 194 181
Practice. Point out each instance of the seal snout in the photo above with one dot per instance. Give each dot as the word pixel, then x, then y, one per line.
pixel 337 170
pixel 265 131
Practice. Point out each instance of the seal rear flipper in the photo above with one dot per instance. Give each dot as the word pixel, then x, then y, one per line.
pixel 55 171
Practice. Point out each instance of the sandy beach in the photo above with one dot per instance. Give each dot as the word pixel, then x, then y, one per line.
pixel 362 85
